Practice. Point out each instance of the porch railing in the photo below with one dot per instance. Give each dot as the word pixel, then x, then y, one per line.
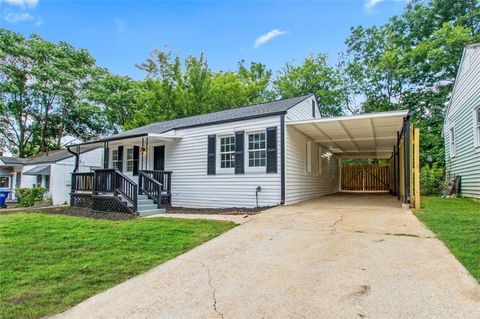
pixel 82 182
pixel 156 185
pixel 112 181
pixel 106 181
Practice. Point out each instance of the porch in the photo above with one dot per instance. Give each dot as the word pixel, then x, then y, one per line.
pixel 133 177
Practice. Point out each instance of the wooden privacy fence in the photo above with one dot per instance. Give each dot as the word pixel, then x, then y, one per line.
pixel 369 177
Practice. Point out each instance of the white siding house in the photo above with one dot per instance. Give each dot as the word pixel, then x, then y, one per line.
pixel 462 124
pixel 258 155
pixel 53 172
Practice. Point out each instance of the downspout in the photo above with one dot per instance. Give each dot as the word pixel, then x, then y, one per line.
pixel 282 155
pixel 77 157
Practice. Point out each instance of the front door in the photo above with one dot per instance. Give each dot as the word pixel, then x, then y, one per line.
pixel 159 158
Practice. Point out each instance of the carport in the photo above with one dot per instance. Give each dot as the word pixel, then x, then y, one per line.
pixel 384 135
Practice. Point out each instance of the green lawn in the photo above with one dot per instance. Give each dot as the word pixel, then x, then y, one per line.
pixel 49 263
pixel 456 221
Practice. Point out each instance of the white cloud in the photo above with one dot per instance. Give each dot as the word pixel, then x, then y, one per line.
pixel 22 3
pixel 23 16
pixel 267 37
pixel 119 25
pixel 370 4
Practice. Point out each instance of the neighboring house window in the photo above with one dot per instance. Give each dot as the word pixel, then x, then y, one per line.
pixel 39 181
pixel 452 142
pixel 115 159
pixel 308 157
pixel 227 152
pixel 477 127
pixel 257 152
pixel 47 182
pixel 4 182
pixel 129 159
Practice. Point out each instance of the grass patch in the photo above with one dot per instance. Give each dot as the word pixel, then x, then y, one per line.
pixel 49 263
pixel 456 221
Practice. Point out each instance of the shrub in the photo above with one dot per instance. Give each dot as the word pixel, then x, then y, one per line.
pixel 26 197
pixel 432 180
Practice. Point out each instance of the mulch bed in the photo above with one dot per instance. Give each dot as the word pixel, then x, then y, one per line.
pixel 70 211
pixel 216 211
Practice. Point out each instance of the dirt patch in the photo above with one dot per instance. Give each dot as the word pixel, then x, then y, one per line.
pixel 71 211
pixel 217 211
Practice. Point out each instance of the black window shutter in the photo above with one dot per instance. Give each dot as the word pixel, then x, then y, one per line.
pixel 239 153
pixel 211 163
pixel 106 153
pixel 271 150
pixel 120 158
pixel 313 108
pixel 136 153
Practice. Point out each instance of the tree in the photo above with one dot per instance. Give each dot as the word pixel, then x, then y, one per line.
pixel 116 96
pixel 314 75
pixel 16 105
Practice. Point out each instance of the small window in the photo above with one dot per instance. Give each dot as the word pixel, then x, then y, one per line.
pixel 313 108
pixel 227 152
pixel 308 157
pixel 257 152
pixel 39 181
pixel 47 182
pixel 452 142
pixel 115 161
pixel 477 127
pixel 129 159
pixel 4 182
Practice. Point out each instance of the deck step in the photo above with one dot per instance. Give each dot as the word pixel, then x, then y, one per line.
pixel 151 212
pixel 146 207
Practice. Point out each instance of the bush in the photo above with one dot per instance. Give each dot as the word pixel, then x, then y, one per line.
pixel 432 180
pixel 26 197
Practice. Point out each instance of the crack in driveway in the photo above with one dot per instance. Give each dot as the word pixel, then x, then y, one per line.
pixel 214 290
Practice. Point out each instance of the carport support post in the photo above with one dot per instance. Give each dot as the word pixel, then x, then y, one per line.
pixel 406 132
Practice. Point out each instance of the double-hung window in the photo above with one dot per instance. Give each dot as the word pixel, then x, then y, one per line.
pixel 477 127
pixel 129 159
pixel 115 159
pixel 227 151
pixel 4 182
pixel 257 151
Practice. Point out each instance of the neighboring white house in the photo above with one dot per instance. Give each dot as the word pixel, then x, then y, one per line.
pixel 50 170
pixel 10 172
pixel 462 124
pixel 279 152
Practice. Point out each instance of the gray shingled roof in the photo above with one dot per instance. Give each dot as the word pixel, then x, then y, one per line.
pixel 264 109
pixel 53 156
pixel 11 160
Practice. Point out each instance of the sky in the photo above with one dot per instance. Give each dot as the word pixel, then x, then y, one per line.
pixel 122 33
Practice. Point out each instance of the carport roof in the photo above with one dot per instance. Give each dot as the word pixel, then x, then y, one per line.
pixel 367 135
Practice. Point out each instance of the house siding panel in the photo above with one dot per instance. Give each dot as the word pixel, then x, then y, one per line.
pixel 192 187
pixel 302 111
pixel 300 184
pixel 466 97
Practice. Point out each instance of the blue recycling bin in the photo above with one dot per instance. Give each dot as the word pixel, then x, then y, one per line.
pixel 3 198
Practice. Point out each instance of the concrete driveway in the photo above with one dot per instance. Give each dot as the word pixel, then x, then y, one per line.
pixel 340 256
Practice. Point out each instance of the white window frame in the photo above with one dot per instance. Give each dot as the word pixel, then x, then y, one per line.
pixel 129 160
pixel 308 157
pixel 452 141
pixel 115 161
pixel 476 128
pixel 219 153
pixel 248 151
